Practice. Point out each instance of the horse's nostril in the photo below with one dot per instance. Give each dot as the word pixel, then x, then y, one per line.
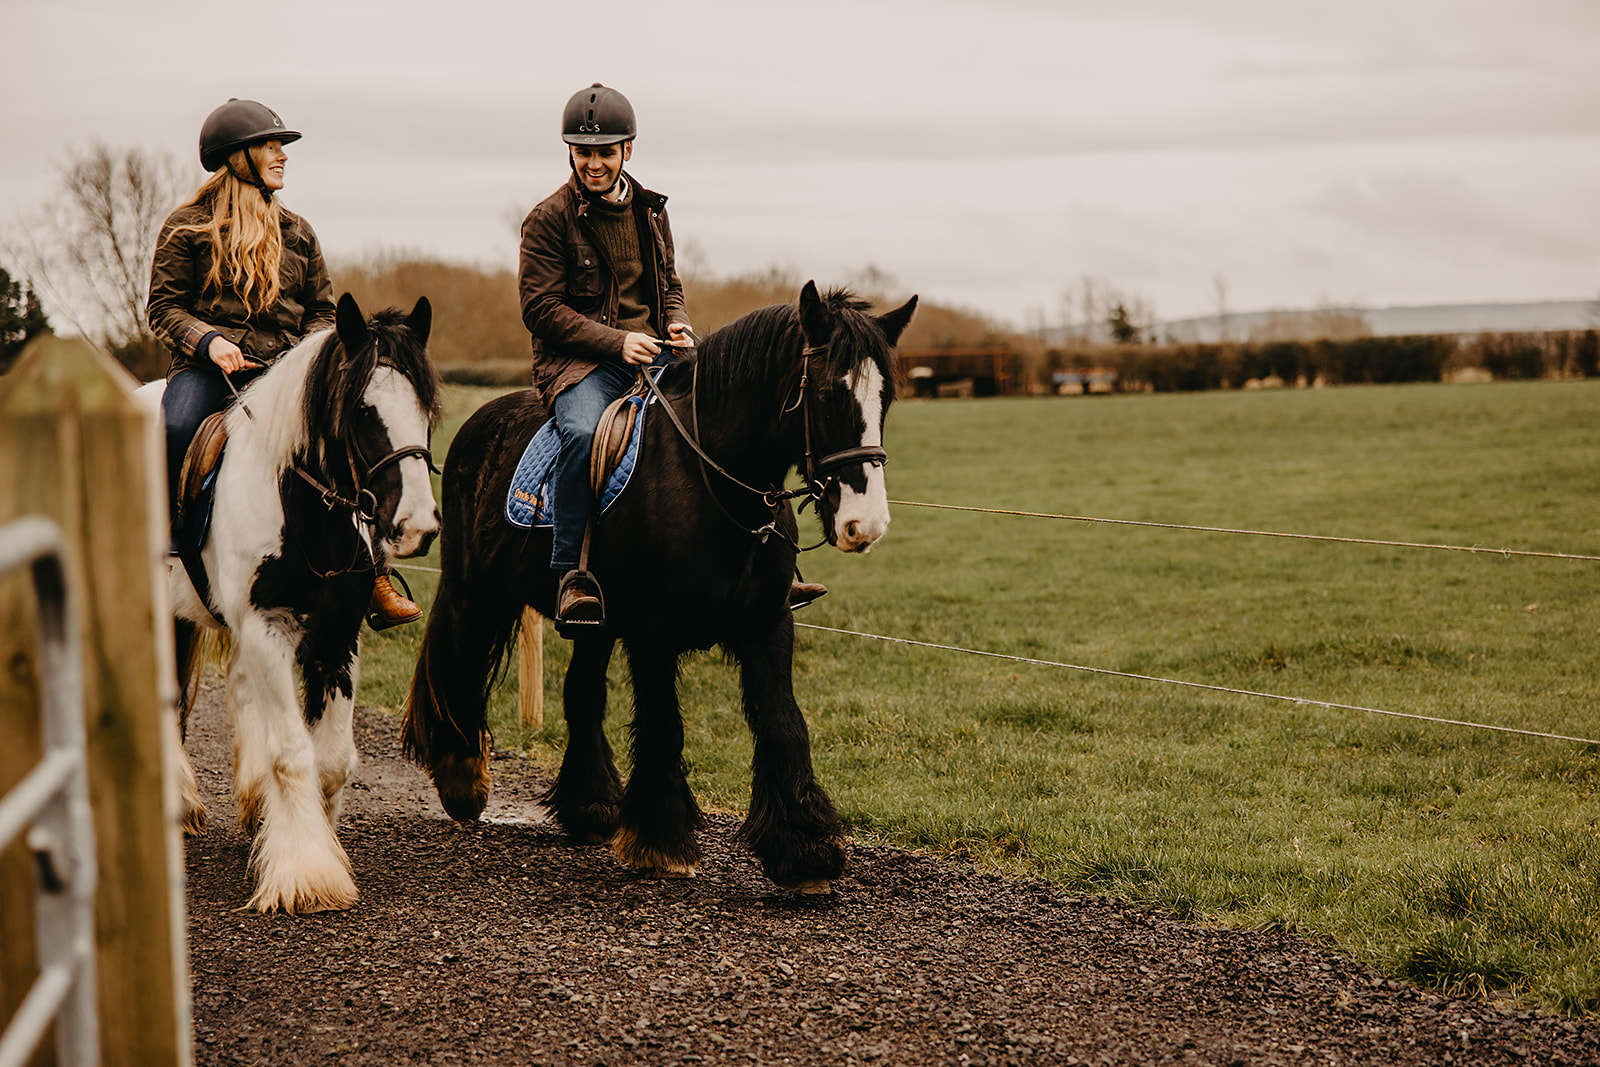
pixel 852 530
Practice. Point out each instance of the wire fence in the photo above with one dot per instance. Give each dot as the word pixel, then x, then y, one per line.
pixel 1252 533
pixel 1302 701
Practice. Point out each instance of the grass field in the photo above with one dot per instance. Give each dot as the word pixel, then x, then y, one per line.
pixel 1456 858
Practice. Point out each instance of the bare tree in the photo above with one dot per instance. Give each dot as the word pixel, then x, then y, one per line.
pixel 1089 310
pixel 1219 285
pixel 89 249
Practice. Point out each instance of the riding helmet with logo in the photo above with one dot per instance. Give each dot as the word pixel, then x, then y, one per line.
pixel 598 115
pixel 235 125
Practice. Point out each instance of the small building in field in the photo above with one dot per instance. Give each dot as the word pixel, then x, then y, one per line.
pixel 945 372
pixel 1081 381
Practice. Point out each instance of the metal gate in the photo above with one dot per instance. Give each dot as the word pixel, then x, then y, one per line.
pixel 52 806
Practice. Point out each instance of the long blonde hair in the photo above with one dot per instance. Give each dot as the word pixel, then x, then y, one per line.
pixel 246 232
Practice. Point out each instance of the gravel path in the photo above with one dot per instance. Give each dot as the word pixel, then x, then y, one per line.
pixel 503 942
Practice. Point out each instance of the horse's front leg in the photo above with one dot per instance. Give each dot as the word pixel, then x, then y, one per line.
pixel 586 796
pixel 298 862
pixel 659 815
pixel 330 699
pixel 792 826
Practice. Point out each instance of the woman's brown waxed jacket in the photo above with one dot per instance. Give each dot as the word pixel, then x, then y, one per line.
pixel 569 293
pixel 183 309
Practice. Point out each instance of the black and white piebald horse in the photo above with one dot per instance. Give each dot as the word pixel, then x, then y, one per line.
pixel 325 476
pixel 698 551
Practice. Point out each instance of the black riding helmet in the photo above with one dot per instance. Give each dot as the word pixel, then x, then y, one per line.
pixel 240 124
pixel 235 125
pixel 598 116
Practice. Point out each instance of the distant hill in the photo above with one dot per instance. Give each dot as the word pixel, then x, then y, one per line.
pixel 1428 319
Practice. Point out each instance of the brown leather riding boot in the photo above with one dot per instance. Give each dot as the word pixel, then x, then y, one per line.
pixel 388 608
pixel 803 593
pixel 578 603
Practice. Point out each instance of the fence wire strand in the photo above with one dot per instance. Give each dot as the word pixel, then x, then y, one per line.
pixel 1304 701
pixel 1251 533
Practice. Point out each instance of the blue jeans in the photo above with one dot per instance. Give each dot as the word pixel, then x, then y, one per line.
pixel 577 411
pixel 192 394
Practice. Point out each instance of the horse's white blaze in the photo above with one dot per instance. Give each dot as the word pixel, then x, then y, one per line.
pixel 416 519
pixel 862 518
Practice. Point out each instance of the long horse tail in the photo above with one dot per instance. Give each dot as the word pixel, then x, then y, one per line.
pixel 446 726
pixel 186 645
pixel 195 646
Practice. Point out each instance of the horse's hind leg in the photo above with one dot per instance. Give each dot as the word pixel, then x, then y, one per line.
pixel 586 796
pixel 792 826
pixel 659 816
pixel 298 862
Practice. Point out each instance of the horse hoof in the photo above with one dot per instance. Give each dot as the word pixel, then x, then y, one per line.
pixel 630 852
pixel 333 893
pixel 463 786
pixel 675 872
pixel 194 821
pixel 814 889
pixel 589 824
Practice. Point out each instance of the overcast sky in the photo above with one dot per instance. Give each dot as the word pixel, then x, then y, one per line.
pixel 984 153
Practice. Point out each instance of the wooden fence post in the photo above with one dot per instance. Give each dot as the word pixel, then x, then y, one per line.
pixel 530 670
pixel 76 446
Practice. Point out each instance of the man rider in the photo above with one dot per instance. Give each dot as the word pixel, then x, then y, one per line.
pixel 601 296
pixel 599 292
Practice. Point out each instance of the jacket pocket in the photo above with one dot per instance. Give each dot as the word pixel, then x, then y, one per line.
pixel 585 283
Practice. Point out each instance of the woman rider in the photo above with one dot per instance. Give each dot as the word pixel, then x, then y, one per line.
pixel 237 281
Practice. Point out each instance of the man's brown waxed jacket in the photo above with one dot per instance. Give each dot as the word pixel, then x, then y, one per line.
pixel 569 293
pixel 183 310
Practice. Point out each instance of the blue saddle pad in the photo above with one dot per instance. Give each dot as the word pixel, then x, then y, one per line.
pixel 531 501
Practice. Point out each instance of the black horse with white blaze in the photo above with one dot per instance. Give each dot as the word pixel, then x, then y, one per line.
pixel 698 552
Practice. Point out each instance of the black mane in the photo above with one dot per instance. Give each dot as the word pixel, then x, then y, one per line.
pixel 339 378
pixel 747 350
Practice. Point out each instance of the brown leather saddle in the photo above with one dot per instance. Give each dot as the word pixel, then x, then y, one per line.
pixel 611 437
pixel 205 451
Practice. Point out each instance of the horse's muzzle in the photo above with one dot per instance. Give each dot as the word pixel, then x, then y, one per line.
pixel 415 539
pixel 858 534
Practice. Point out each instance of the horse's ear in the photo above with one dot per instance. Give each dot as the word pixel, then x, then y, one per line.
pixel 893 323
pixel 420 321
pixel 351 325
pixel 815 320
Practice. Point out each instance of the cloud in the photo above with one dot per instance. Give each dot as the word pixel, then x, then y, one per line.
pixel 1441 214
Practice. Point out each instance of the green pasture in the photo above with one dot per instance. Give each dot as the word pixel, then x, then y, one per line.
pixel 1456 858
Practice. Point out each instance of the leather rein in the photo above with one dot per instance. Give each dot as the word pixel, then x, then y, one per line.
pixel 820 473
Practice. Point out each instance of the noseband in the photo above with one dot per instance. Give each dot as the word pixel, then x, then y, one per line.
pixel 820 474
pixel 365 502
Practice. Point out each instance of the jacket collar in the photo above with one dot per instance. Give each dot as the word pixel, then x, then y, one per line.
pixel 650 199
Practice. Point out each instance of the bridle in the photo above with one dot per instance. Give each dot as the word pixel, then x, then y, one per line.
pixel 821 474
pixel 363 502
